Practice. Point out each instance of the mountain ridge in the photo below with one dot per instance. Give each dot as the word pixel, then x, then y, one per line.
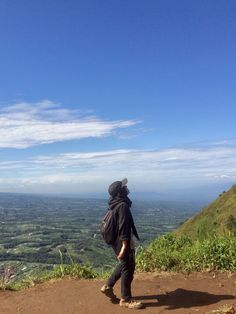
pixel 217 218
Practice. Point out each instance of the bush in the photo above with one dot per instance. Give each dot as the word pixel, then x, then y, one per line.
pixel 75 271
pixel 171 253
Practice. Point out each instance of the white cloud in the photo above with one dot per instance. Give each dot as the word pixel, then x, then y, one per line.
pixel 23 125
pixel 93 171
pixel 225 176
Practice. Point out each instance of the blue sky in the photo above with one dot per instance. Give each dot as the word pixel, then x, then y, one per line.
pixel 94 91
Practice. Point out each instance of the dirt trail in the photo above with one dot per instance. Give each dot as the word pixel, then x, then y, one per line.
pixel 160 293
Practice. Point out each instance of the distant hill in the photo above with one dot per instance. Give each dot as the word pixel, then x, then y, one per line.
pixel 217 218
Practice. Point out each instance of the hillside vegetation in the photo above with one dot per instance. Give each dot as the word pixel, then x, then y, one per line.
pixel 204 242
pixel 218 218
pixel 182 254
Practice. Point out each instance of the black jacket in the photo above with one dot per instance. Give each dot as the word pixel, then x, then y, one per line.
pixel 125 223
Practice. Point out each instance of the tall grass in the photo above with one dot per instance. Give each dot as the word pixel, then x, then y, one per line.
pixel 172 253
pixel 166 253
pixel 73 270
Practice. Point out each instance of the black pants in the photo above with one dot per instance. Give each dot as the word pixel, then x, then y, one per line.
pixel 125 271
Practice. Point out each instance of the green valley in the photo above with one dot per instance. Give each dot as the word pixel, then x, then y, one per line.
pixel 38 232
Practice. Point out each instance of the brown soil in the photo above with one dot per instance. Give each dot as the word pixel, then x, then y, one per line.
pixel 160 293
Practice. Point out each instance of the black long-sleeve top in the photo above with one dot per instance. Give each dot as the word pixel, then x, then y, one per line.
pixel 124 218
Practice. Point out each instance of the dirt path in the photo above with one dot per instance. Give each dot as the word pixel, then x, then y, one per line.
pixel 175 293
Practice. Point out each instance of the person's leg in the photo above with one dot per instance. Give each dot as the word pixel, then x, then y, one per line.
pixel 131 269
pixel 127 274
pixel 107 289
pixel 126 280
pixel 115 276
pixel 117 271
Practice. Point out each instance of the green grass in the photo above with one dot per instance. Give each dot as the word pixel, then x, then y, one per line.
pixel 76 271
pixel 218 218
pixel 72 270
pixel 172 253
pixel 166 253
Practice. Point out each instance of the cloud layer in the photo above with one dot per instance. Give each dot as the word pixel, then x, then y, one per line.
pixel 24 125
pixel 146 170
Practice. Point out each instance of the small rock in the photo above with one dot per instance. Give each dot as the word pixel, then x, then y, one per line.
pixel 231 310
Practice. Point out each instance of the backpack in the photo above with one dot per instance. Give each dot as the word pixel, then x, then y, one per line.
pixel 109 227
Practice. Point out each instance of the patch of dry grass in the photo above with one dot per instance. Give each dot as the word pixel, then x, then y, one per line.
pixel 225 309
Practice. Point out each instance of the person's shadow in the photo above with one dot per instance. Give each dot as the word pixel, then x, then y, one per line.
pixel 181 298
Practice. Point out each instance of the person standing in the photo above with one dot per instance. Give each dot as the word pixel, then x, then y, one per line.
pixel 123 246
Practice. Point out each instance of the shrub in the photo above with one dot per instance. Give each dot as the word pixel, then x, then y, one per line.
pixel 74 271
pixel 171 253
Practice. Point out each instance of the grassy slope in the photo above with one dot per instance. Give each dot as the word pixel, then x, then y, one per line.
pixel 212 219
pixel 205 242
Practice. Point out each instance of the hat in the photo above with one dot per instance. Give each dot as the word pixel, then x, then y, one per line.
pixel 116 186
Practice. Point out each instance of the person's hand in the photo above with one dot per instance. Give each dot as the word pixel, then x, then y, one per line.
pixel 121 255
pixel 122 250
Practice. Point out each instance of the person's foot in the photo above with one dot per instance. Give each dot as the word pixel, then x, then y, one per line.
pixel 131 304
pixel 108 291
